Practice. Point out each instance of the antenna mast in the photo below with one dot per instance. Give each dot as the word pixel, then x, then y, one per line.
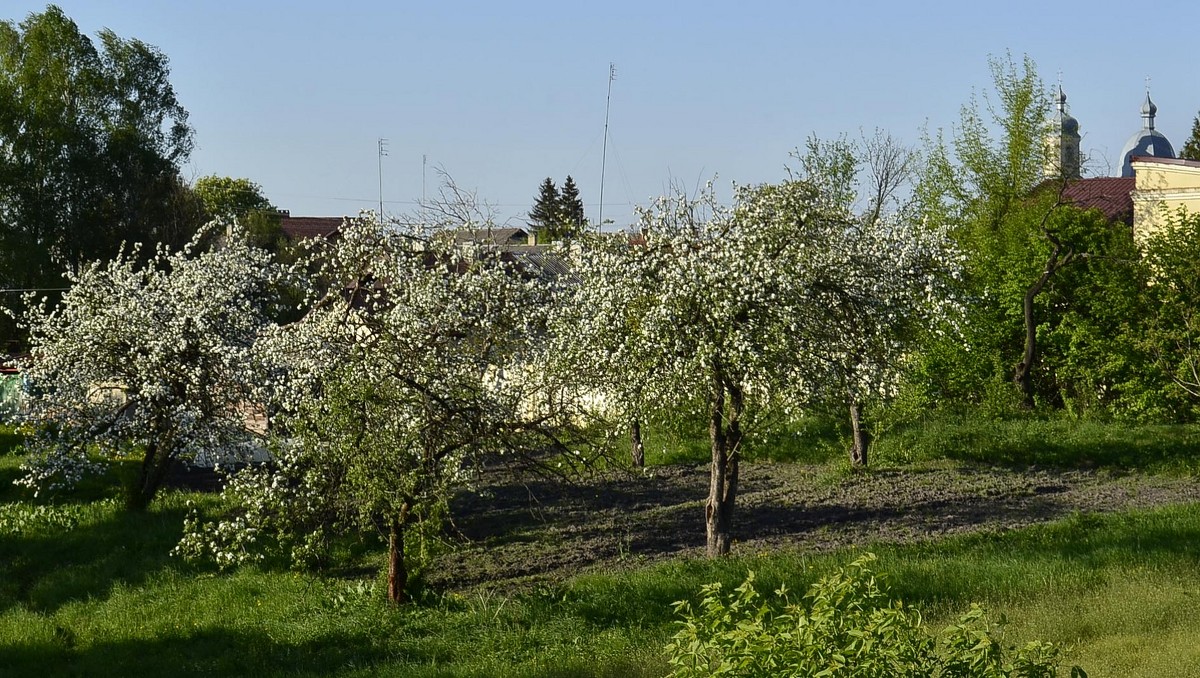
pixel 382 152
pixel 612 75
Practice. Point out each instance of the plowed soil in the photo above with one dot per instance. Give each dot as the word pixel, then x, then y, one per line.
pixel 516 534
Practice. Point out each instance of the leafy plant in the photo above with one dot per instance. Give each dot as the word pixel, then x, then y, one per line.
pixel 846 625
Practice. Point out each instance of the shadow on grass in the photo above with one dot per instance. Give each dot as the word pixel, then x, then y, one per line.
pixel 204 652
pixel 10 472
pixel 10 440
pixel 1053 443
pixel 1078 552
pixel 48 567
pixel 224 652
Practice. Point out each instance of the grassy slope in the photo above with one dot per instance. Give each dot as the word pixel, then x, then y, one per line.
pixel 86 589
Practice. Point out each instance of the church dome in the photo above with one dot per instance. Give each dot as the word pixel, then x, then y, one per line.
pixel 1062 143
pixel 1063 120
pixel 1146 142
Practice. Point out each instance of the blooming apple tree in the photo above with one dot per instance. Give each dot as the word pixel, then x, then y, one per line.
pixel 151 361
pixel 418 360
pixel 758 304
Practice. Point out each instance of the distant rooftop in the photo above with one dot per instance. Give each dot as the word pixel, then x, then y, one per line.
pixel 1182 162
pixel 494 236
pixel 303 228
pixel 1110 195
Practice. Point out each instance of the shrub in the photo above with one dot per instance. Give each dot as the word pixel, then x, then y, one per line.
pixel 846 625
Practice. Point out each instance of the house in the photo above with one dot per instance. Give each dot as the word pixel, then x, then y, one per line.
pixel 504 237
pixel 1163 187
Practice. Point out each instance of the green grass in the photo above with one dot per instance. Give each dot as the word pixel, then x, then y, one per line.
pixel 1048 440
pixel 89 589
pixel 101 597
pixel 813 439
pixel 10 440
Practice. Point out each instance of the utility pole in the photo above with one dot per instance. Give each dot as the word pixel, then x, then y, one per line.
pixel 612 75
pixel 382 152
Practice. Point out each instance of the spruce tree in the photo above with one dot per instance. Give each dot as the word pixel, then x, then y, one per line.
pixel 1191 149
pixel 572 207
pixel 547 211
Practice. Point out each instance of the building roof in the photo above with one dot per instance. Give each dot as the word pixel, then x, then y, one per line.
pixel 1066 124
pixel 1182 162
pixel 1147 142
pixel 1110 195
pixel 493 236
pixel 302 228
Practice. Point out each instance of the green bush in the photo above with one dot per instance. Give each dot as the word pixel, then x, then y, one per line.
pixel 846 625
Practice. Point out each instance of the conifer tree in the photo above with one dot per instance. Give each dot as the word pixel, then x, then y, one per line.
pixel 572 206
pixel 1191 148
pixel 547 211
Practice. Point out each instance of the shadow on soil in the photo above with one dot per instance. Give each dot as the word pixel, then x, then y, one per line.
pixel 517 534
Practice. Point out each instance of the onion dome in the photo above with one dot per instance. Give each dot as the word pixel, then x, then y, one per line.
pixel 1147 142
pixel 1062 143
pixel 1065 122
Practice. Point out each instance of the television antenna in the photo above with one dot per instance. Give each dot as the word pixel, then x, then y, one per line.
pixel 612 75
pixel 382 152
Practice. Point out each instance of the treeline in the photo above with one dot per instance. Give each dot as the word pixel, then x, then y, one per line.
pixel 92 142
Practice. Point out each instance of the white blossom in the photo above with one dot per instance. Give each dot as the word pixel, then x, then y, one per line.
pixel 148 360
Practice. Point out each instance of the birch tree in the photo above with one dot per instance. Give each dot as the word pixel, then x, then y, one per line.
pixel 1051 287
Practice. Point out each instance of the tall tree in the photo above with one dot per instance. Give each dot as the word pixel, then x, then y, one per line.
pixel 547 209
pixel 571 207
pixel 242 200
pixel 91 141
pixel 1034 264
pixel 1191 147
pixel 557 214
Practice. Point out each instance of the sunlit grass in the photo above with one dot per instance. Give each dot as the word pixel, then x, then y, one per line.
pixel 1123 589
pixel 1048 440
pixel 87 588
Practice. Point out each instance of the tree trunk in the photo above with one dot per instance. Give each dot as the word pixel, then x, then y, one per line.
pixel 860 438
pixel 1023 374
pixel 397 577
pixel 636 449
pixel 154 469
pixel 723 481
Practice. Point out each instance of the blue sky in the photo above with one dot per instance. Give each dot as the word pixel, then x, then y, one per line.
pixel 294 95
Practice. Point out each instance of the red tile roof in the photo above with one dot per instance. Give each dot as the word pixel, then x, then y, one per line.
pixel 1110 195
pixel 301 228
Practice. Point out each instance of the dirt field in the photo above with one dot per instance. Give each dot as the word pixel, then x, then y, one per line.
pixel 519 534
